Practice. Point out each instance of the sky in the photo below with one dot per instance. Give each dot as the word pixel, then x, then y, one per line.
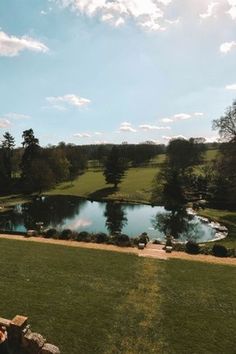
pixel 109 71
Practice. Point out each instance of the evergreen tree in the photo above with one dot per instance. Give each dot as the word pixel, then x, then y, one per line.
pixel 8 145
pixel 115 167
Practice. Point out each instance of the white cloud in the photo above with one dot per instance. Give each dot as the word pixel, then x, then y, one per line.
pixel 43 13
pixel 181 116
pixel 97 133
pixel 127 127
pixel 82 135
pixel 17 116
pixel 227 47
pixel 232 10
pixel 146 13
pixel 167 120
pixel 168 138
pixel 198 114
pixel 4 123
pixel 147 127
pixel 210 10
pixel 230 87
pixel 58 102
pixel 11 46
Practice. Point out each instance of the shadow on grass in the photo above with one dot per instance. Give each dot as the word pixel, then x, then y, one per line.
pixel 102 193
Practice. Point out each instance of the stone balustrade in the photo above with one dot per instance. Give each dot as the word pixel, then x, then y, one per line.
pixel 20 338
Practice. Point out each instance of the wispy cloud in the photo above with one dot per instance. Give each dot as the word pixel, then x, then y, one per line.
pixel 148 14
pixel 11 46
pixel 4 123
pixel 82 135
pixel 16 116
pixel 231 87
pixel 148 127
pixel 226 47
pixel 59 102
pixel 181 117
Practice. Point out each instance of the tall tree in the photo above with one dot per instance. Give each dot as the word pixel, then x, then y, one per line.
pixel 115 167
pixel 8 145
pixel 223 186
pixel 226 125
pixel 31 152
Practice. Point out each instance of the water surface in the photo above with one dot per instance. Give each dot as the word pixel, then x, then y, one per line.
pixel 62 212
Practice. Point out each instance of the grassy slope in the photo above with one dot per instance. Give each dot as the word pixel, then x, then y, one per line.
pixel 89 301
pixel 136 186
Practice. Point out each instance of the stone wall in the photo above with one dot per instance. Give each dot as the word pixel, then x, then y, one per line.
pixel 20 338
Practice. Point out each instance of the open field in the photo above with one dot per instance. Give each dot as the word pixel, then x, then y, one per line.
pixel 89 301
pixel 136 186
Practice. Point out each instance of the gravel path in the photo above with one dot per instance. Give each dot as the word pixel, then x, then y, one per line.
pixel 153 251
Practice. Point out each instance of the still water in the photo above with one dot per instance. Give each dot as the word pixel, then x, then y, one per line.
pixel 62 212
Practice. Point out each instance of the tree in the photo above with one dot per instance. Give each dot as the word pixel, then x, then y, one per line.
pixel 31 152
pixel 8 145
pixel 173 185
pixel 223 186
pixel 115 167
pixel 227 124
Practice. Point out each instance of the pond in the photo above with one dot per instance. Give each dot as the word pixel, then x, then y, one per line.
pixel 63 212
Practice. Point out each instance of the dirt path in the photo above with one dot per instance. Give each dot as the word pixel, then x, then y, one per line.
pixel 151 251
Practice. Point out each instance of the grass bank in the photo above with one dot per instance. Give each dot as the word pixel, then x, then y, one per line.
pixel 227 218
pixel 89 301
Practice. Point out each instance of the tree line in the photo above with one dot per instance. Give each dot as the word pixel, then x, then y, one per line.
pixel 182 178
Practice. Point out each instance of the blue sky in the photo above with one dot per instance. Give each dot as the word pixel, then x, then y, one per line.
pixel 94 71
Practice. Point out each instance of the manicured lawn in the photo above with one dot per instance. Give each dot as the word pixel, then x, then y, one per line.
pixel 198 308
pixel 136 186
pixel 89 301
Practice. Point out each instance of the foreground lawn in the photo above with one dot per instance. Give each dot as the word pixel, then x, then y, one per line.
pixel 89 301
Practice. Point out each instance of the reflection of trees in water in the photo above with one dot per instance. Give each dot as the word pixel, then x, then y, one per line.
pixel 115 217
pixel 175 223
pixel 50 210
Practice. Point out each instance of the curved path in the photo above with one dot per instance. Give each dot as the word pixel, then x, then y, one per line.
pixel 152 251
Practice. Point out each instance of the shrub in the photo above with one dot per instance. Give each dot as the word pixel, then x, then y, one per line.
pixel 192 247
pixel 219 250
pixel 82 236
pixel 122 240
pixel 101 237
pixel 50 233
pixel 65 234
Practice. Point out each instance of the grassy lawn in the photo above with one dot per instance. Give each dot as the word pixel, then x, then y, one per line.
pixel 89 301
pixel 136 186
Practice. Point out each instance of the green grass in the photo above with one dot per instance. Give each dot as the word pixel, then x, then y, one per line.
pixel 136 186
pixel 227 218
pixel 198 308
pixel 211 155
pixel 88 301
